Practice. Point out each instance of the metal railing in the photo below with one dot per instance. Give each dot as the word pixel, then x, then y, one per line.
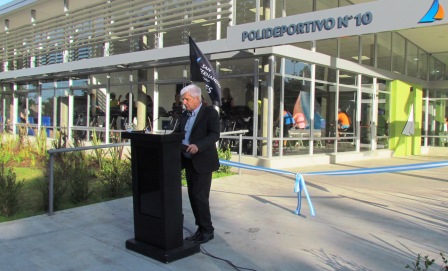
pixel 52 152
pixel 240 143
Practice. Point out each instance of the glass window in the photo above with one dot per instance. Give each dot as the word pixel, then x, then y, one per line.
pixel 439 70
pixel 326 4
pixel 263 118
pixel 300 95
pixel 236 67
pixel 412 60
pixel 80 107
pixel 347 78
pixel 431 64
pixel 346 107
pixel 444 70
pixel 98 79
pixel 324 109
pixel 7 112
pixel 297 68
pixel 22 87
pixel 118 78
pixel 382 129
pixel 325 74
pixel 422 64
pixel 80 80
pixel 367 47
pixel 305 45
pixel 22 107
pixel 171 72
pixel 61 83
pixel 118 116
pixel 349 48
pixel 293 87
pixel 285 8
pixel 398 53
pixel 328 47
pixel 384 50
pixel 62 108
pixel 47 84
pixel 367 81
pixel 48 107
pixel 33 107
pixel 234 93
pixel 245 11
pixel 2 112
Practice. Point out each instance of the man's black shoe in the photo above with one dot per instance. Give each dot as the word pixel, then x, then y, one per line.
pixel 194 236
pixel 204 238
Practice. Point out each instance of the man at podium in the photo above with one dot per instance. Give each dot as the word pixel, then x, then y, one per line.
pixel 199 157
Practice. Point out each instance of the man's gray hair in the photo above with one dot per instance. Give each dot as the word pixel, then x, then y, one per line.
pixel 193 90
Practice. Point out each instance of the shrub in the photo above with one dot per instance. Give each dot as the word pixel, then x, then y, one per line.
pixel 9 192
pixel 427 263
pixel 59 187
pixel 79 180
pixel 98 154
pixel 5 155
pixel 226 155
pixel 114 177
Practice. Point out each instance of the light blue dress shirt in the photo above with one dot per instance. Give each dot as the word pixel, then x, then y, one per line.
pixel 189 126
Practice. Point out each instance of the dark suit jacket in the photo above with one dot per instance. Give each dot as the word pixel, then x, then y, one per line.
pixel 205 134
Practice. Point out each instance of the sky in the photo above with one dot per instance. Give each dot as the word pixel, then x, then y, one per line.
pixel 2 2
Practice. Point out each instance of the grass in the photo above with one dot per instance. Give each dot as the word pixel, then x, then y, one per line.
pixel 31 199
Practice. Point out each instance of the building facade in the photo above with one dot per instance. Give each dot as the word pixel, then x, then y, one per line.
pixel 89 68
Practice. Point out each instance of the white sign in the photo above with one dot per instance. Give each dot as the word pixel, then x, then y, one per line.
pixel 372 17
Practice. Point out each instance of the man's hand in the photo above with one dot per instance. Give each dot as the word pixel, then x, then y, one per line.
pixel 192 149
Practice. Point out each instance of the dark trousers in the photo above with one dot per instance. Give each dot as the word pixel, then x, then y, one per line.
pixel 199 192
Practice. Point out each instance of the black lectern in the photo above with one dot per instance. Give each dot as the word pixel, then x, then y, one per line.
pixel 157 197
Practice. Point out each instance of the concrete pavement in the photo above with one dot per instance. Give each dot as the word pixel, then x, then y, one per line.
pixel 363 222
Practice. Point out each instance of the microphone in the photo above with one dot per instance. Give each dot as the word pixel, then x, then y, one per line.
pixel 175 124
pixel 150 124
pixel 171 125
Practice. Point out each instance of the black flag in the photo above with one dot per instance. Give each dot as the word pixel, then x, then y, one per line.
pixel 202 71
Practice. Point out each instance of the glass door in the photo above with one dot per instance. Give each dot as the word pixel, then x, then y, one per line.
pixel 168 111
pixel 367 121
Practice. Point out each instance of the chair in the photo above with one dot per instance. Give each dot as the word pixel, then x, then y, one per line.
pixel 46 121
pixel 30 129
pixel 297 134
pixel 443 139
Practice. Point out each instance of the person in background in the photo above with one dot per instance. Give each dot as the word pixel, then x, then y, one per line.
pixel 124 105
pixel 343 120
pixel 226 102
pixel 177 106
pixel 114 103
pixel 288 123
pixel 446 125
pixel 201 127
pixel 300 120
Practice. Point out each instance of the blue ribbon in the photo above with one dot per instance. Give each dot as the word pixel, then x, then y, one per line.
pixel 388 169
pixel 300 186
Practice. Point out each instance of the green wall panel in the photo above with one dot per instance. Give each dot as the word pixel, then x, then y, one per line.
pixel 403 96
